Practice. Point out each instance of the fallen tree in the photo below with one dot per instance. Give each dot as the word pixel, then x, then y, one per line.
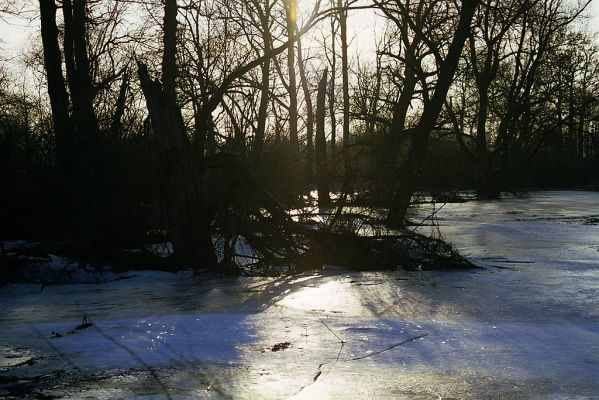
pixel 253 234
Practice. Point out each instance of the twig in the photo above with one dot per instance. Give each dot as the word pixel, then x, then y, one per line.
pixel 388 348
pixel 334 334
pixel 429 217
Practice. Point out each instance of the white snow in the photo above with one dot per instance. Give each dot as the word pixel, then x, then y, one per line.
pixel 526 326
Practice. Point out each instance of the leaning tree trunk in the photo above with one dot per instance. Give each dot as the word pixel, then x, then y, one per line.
pixel 119 108
pixel 397 140
pixel 408 174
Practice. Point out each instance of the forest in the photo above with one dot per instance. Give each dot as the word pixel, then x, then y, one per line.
pixel 129 121
pixel 256 199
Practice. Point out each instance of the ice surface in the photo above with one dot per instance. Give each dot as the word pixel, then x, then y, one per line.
pixel 526 326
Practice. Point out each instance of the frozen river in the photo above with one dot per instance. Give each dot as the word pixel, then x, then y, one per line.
pixel 525 326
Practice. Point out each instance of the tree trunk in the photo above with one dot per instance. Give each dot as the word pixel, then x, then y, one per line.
pixel 347 173
pixel 189 218
pixel 332 90
pixel 59 98
pixel 291 14
pixel 488 187
pixel 264 85
pixel 199 134
pixel 373 105
pixel 322 173
pixel 79 76
pixel 344 71
pixel 409 172
pixel 398 131
pixel 116 125
pixel 309 115
pixel 263 108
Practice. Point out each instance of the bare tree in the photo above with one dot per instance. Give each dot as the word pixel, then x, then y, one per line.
pixel 189 203
pixel 509 64
pixel 419 136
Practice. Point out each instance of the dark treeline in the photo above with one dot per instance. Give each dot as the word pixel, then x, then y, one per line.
pixel 134 121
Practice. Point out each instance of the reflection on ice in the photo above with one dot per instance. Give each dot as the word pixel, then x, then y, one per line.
pixel 329 297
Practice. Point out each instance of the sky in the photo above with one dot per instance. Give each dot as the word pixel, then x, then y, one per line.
pixel 15 32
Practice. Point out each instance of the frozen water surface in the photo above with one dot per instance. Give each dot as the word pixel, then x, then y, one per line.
pixel 526 326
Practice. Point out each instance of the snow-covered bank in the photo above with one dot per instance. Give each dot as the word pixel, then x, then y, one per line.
pixel 525 327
